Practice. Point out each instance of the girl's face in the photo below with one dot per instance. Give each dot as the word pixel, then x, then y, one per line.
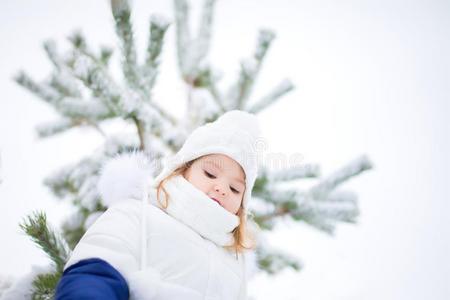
pixel 221 178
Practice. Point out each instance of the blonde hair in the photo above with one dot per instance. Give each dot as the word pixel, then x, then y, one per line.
pixel 243 237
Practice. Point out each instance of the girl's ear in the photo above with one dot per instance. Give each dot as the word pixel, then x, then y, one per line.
pixel 186 171
pixel 187 168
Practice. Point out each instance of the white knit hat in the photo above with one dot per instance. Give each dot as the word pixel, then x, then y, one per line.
pixel 234 134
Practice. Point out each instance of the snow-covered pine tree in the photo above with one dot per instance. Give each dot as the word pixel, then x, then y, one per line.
pixel 83 92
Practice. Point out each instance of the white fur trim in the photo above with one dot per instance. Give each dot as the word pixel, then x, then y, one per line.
pixel 124 177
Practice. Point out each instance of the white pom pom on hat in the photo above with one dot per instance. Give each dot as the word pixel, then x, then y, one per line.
pixel 124 177
pixel 234 134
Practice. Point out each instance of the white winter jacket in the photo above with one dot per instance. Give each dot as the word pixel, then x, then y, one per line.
pixel 166 255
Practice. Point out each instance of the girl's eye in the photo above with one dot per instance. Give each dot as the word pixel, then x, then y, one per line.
pixel 234 190
pixel 209 175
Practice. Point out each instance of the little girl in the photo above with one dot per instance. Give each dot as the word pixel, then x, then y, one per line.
pixel 186 238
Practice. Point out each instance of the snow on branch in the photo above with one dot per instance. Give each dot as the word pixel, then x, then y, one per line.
pixel 158 28
pixel 61 80
pixel 172 135
pixel 95 77
pixel 78 181
pixel 281 89
pixel 54 127
pixel 91 109
pixel 265 38
pixel 65 84
pixel 250 69
pixel 192 51
pixel 273 260
pixel 335 211
pixel 124 29
pixel 296 172
pixel 50 49
pixel 352 169
pixel 203 38
pixel 54 245
pixel 42 90
pixel 147 78
pixel 183 35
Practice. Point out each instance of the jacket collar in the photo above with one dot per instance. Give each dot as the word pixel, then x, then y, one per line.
pixel 193 208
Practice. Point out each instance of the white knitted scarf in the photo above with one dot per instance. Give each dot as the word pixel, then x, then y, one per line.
pixel 195 209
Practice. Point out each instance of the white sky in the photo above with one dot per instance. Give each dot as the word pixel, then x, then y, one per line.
pixel 372 77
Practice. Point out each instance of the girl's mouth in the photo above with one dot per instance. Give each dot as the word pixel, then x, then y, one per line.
pixel 216 200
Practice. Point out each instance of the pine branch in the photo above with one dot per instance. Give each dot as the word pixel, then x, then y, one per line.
pixel 65 84
pixel 54 98
pixel 61 80
pixel 203 38
pixel 158 28
pixel 153 122
pixel 45 286
pixel 183 36
pixel 93 75
pixel 335 211
pixel 354 168
pixel 301 206
pixel 91 109
pixel 279 203
pixel 43 91
pixel 105 55
pixel 54 127
pixel 141 133
pixel 77 111
pixel 50 49
pixel 274 260
pixel 79 43
pixel 250 68
pixel 53 245
pixel 324 225
pixel 192 51
pixel 212 88
pixel 320 206
pixel 164 114
pixel 149 71
pixel 283 88
pixel 78 182
pixel 240 92
pixel 265 221
pixel 265 38
pixel 295 172
pixel 342 196
pixel 122 17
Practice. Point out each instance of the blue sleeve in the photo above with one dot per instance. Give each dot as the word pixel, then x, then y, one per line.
pixel 92 279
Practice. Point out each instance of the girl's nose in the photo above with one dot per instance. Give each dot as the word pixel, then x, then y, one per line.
pixel 220 190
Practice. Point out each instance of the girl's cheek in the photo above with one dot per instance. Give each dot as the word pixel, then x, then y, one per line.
pixel 236 205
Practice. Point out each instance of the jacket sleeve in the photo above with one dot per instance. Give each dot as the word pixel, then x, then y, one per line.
pixel 92 279
pixel 115 239
pixel 147 285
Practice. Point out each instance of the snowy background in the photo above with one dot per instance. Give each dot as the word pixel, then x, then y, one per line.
pixel 372 77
